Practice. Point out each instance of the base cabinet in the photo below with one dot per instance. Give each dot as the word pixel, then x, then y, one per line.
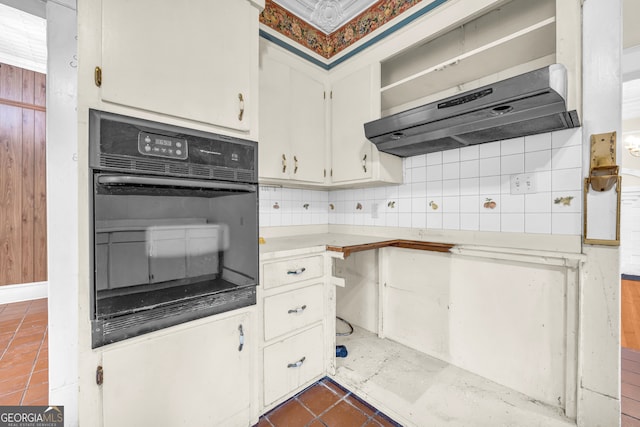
pixel 199 376
pixel 292 363
pixel 294 304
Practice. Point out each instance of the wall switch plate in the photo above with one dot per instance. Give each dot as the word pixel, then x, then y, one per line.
pixel 374 210
pixel 523 183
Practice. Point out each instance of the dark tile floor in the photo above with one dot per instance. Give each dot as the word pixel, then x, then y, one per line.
pixel 24 355
pixel 325 404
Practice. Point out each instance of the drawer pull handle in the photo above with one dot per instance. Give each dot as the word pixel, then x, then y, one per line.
pixel 298 271
pixel 296 364
pixel 297 310
pixel 241 346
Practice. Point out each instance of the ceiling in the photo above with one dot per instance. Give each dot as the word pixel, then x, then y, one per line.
pixel 326 15
pixel 23 39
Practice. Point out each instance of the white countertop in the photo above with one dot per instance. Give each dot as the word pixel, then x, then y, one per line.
pixel 311 243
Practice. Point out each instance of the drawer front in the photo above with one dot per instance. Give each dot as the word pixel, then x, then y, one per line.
pixel 292 310
pixel 292 362
pixel 293 270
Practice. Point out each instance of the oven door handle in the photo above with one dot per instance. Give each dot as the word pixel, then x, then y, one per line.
pixel 172 182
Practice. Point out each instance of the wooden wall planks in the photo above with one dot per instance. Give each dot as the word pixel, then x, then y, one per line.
pixel 23 229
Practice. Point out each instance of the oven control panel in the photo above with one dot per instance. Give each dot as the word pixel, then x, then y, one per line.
pixel 170 147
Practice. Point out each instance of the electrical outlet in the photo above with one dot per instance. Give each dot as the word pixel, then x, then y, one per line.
pixel 374 210
pixel 523 183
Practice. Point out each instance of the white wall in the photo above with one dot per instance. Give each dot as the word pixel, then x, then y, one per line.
pixel 599 393
pixel 630 232
pixel 62 208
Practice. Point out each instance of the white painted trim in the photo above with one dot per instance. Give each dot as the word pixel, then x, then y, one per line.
pixel 23 292
pixel 628 171
pixel 559 259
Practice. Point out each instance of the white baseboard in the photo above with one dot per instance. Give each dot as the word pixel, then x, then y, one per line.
pixel 23 292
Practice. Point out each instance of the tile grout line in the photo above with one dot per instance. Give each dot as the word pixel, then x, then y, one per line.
pixel 15 333
pixel 35 361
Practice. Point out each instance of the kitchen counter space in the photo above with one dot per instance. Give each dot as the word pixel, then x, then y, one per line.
pixel 341 243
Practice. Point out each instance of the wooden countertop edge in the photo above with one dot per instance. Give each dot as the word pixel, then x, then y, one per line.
pixel 396 243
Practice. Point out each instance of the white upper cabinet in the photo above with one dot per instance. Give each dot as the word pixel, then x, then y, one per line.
pixel 350 109
pixel 354 159
pixel 292 124
pixel 187 60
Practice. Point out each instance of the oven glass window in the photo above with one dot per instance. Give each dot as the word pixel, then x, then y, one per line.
pixel 162 245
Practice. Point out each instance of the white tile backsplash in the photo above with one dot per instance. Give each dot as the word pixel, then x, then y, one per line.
pixel 539 223
pixel 470 169
pixel 537 142
pixel 434 189
pixel 512 146
pixel 469 186
pixel 451 170
pixel 451 156
pixel 434 158
pixel 462 183
pixel 491 149
pixel 490 166
pixel 536 161
pixel 451 187
pixel 470 153
pixel 567 157
pixel 434 172
pixel 490 185
pixel 512 164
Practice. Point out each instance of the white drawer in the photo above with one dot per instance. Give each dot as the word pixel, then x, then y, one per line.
pixel 292 362
pixel 294 270
pixel 292 310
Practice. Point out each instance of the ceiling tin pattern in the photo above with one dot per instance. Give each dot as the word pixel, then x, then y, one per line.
pixel 328 45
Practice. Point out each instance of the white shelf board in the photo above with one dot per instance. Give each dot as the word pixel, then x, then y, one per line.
pixel 535 41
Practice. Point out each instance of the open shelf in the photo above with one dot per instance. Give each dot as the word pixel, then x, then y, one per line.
pixel 520 36
pixel 419 390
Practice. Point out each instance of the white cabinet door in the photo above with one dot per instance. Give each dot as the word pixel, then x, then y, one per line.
pixel 292 124
pixel 194 377
pixel 307 121
pixel 351 107
pixel 184 59
pixel 274 146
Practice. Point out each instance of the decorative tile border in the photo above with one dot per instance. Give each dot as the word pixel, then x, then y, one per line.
pixel 300 31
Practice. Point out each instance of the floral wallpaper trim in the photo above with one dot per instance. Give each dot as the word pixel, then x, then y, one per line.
pixel 293 27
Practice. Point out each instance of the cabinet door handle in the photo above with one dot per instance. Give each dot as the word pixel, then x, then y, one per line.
pixel 295 164
pixel 296 364
pixel 297 310
pixel 364 163
pixel 240 347
pixel 297 272
pixel 284 163
pixel 241 99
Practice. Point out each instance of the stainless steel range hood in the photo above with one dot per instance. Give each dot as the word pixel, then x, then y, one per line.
pixel 527 104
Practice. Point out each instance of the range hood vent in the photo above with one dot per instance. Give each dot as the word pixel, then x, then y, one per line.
pixel 527 104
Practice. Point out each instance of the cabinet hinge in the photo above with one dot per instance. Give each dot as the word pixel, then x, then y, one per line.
pixel 97 76
pixel 99 375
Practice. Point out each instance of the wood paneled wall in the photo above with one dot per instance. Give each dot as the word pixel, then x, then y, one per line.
pixel 23 195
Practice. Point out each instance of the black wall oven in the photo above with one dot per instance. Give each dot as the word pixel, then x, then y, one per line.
pixel 175 225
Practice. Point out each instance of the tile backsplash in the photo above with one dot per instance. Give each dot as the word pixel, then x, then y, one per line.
pixel 463 189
